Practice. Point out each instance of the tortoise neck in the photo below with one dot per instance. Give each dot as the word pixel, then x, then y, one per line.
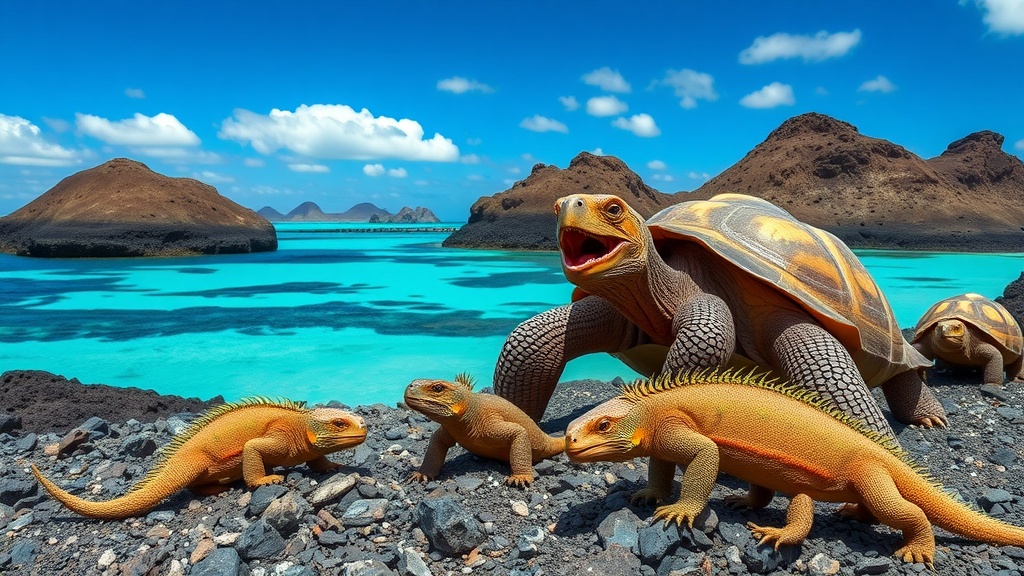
pixel 651 296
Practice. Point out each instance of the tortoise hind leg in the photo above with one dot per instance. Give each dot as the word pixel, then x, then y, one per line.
pixel 1015 370
pixel 912 402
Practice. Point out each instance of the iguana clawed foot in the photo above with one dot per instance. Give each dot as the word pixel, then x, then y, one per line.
pixel 267 480
pixel 916 554
pixel 519 480
pixel 678 513
pixel 784 536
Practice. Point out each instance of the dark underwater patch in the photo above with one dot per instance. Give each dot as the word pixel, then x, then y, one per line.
pixel 285 288
pixel 509 279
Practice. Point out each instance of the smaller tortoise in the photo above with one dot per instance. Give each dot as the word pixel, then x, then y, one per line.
pixel 971 330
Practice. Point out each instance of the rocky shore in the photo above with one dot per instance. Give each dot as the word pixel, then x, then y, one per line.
pixel 367 520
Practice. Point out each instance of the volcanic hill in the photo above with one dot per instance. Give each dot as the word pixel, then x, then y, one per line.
pixel 362 212
pixel 122 208
pixel 522 217
pixel 875 194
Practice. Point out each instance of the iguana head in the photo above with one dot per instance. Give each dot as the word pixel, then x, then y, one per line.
pixel 953 333
pixel 600 236
pixel 331 429
pixel 610 432
pixel 440 399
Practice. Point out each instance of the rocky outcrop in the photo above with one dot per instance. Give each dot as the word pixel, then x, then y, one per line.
pixel 407 216
pixel 522 217
pixel 876 194
pixel 122 208
pixel 269 213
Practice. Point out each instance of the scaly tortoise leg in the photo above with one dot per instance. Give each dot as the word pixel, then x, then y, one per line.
pixel 912 402
pixel 535 353
pixel 705 336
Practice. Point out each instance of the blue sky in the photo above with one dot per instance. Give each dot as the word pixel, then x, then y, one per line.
pixel 438 103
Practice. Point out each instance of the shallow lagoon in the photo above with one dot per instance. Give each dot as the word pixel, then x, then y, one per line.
pixel 337 315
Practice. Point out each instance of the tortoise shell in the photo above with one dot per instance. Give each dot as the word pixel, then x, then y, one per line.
pixel 979 312
pixel 813 267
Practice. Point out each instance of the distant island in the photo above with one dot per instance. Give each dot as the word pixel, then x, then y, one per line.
pixel 868 191
pixel 363 212
pixel 121 208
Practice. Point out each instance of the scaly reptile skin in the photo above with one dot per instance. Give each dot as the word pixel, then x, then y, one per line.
pixel 779 438
pixel 484 424
pixel 235 441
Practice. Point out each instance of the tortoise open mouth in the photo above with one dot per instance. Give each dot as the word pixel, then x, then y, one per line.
pixel 581 249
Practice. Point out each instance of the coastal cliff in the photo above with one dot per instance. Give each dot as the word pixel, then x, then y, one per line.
pixel 122 208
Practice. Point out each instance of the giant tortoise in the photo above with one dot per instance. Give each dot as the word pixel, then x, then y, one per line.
pixel 704 283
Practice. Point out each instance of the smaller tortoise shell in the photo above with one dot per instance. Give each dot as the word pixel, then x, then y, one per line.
pixel 978 312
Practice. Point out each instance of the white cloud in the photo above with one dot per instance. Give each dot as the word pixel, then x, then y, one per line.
pixel 22 143
pixel 140 130
pixel 699 176
pixel 877 84
pixel 304 167
pixel 253 162
pixel 821 46
pixel 606 106
pixel 1019 144
pixel 460 85
pixel 58 125
pixel 657 165
pixel 772 95
pixel 1003 16
pixel 470 159
pixel 211 177
pixel 538 123
pixel 607 79
pixel 134 93
pixel 421 183
pixel 397 172
pixel 373 170
pixel 336 131
pixel 690 86
pixel 663 177
pixel 569 102
pixel 597 152
pixel 640 124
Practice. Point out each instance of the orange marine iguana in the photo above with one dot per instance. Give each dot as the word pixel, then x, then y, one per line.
pixel 779 438
pixel 233 441
pixel 485 424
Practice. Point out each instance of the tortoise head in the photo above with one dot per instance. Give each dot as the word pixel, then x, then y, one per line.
pixel 952 331
pixel 599 235
pixel 610 432
pixel 332 429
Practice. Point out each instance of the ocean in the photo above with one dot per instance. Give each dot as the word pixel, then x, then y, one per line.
pixel 340 312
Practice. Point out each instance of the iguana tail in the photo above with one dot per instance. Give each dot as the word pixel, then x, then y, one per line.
pixel 136 502
pixel 952 515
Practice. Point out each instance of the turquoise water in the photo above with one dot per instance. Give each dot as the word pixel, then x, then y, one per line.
pixel 337 315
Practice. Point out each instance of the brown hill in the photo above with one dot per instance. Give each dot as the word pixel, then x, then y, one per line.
pixel 122 208
pixel 875 194
pixel 407 216
pixel 522 217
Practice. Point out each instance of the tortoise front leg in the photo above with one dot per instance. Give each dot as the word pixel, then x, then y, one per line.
pixel 1015 370
pixel 989 356
pixel 535 353
pixel 705 335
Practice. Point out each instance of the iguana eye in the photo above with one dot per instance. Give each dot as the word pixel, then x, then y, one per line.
pixel 603 425
pixel 437 388
pixel 340 423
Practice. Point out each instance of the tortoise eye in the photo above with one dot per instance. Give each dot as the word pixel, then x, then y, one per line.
pixel 614 209
pixel 437 388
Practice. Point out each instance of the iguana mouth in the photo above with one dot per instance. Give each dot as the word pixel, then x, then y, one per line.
pixel 581 249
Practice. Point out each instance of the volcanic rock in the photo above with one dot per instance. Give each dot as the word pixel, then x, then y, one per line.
pixel 875 194
pixel 406 216
pixel 522 217
pixel 122 208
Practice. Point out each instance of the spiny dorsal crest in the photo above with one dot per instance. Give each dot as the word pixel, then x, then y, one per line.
pixel 465 380
pixel 204 420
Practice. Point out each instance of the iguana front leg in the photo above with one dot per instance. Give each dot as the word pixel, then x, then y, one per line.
pixel 520 453
pixel 440 442
pixel 799 518
pixel 535 353
pixel 700 456
pixel 255 455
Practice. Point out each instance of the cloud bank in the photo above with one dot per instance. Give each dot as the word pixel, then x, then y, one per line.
pixel 690 86
pixel 22 143
pixel 1003 16
pixel 538 123
pixel 772 95
pixel 608 80
pixel 336 131
pixel 877 84
pixel 460 85
pixel 606 106
pixel 780 46
pixel 139 130
pixel 641 125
